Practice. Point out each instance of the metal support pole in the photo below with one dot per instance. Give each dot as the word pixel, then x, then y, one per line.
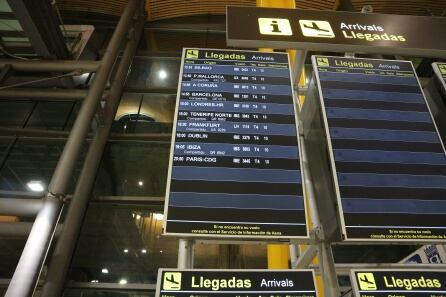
pixel 325 255
pixel 44 94
pixel 20 194
pixel 309 188
pixel 294 255
pixel 15 229
pixel 298 65
pixel 31 261
pixel 306 257
pixel 30 264
pixel 185 253
pixel 63 253
pixel 328 270
pixel 364 9
pixel 20 207
pixel 51 66
pixel 20 230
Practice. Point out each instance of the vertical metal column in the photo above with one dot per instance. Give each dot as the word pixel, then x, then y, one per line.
pixel 31 261
pixel 325 255
pixel 298 66
pixel 185 253
pixel 278 255
pixel 309 187
pixel 328 270
pixel 294 255
pixel 63 253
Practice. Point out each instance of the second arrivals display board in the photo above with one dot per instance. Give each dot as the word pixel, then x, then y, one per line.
pixel 387 159
pixel 235 167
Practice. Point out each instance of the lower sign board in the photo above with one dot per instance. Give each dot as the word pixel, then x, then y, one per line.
pixel 401 283
pixel 235 283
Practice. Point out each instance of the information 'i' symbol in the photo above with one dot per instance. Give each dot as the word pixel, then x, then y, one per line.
pixel 275 26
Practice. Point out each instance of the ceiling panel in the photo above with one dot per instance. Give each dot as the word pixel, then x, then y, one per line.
pixel 162 9
pixel 113 7
pixel 165 9
pixel 414 7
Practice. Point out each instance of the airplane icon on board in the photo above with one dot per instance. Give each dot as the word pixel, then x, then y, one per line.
pixel 172 280
pixel 315 26
pixel 367 281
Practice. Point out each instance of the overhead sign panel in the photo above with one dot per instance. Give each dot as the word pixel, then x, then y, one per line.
pixel 235 283
pixel 235 163
pixel 403 283
pixel 335 31
pixel 437 97
pixel 385 153
pixel 440 72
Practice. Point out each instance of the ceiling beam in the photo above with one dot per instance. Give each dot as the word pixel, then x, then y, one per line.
pixel 20 207
pixel 41 26
pixel 30 94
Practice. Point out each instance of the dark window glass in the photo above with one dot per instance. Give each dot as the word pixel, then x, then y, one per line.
pixel 14 114
pixel 133 169
pixel 145 113
pixel 10 250
pixel 50 115
pixel 121 242
pixel 33 160
pixel 153 74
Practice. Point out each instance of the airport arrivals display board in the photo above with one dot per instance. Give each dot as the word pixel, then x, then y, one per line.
pixel 401 283
pixel 387 159
pixel 235 283
pixel 235 166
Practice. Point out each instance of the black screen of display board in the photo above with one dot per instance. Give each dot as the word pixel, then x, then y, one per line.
pixel 255 283
pixel 235 165
pixel 388 159
pixel 403 282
